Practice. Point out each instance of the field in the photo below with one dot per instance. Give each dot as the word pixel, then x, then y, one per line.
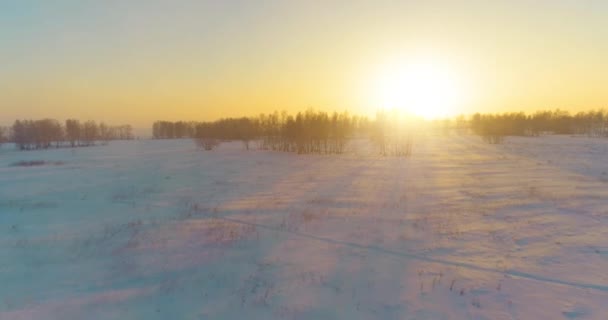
pixel 156 229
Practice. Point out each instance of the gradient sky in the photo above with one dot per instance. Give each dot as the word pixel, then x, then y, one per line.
pixel 137 61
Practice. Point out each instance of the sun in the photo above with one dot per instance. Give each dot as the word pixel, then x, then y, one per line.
pixel 425 88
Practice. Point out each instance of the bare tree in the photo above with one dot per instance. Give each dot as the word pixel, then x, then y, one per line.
pixel 89 132
pixel 21 134
pixel 103 133
pixel 3 135
pixel 72 130
pixel 46 133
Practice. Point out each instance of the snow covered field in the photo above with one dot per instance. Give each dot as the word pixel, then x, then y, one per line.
pixel 160 230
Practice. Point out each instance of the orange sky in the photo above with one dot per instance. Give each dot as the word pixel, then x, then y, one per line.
pixel 138 61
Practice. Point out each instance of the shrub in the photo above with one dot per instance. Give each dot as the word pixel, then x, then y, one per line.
pixel 207 143
pixel 33 163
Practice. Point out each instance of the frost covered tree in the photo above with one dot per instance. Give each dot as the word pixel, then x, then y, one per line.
pixel 46 133
pixel 89 132
pixel 37 134
pixel 72 131
pixel 3 135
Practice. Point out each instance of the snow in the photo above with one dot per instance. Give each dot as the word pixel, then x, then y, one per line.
pixel 159 230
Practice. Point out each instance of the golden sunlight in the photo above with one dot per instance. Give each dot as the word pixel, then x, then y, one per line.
pixel 423 88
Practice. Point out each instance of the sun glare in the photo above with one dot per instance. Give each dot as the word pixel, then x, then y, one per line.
pixel 425 89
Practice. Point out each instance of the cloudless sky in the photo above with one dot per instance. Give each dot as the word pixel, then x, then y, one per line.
pixel 140 60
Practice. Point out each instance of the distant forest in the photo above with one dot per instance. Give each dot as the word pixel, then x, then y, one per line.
pixel 303 133
pixel 494 127
pixel 310 131
pixel 321 132
pixel 50 133
pixel 306 132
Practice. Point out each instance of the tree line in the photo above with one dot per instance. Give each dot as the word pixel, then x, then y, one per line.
pixel 173 130
pixel 308 132
pixel 494 127
pixel 305 132
pixel 48 133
